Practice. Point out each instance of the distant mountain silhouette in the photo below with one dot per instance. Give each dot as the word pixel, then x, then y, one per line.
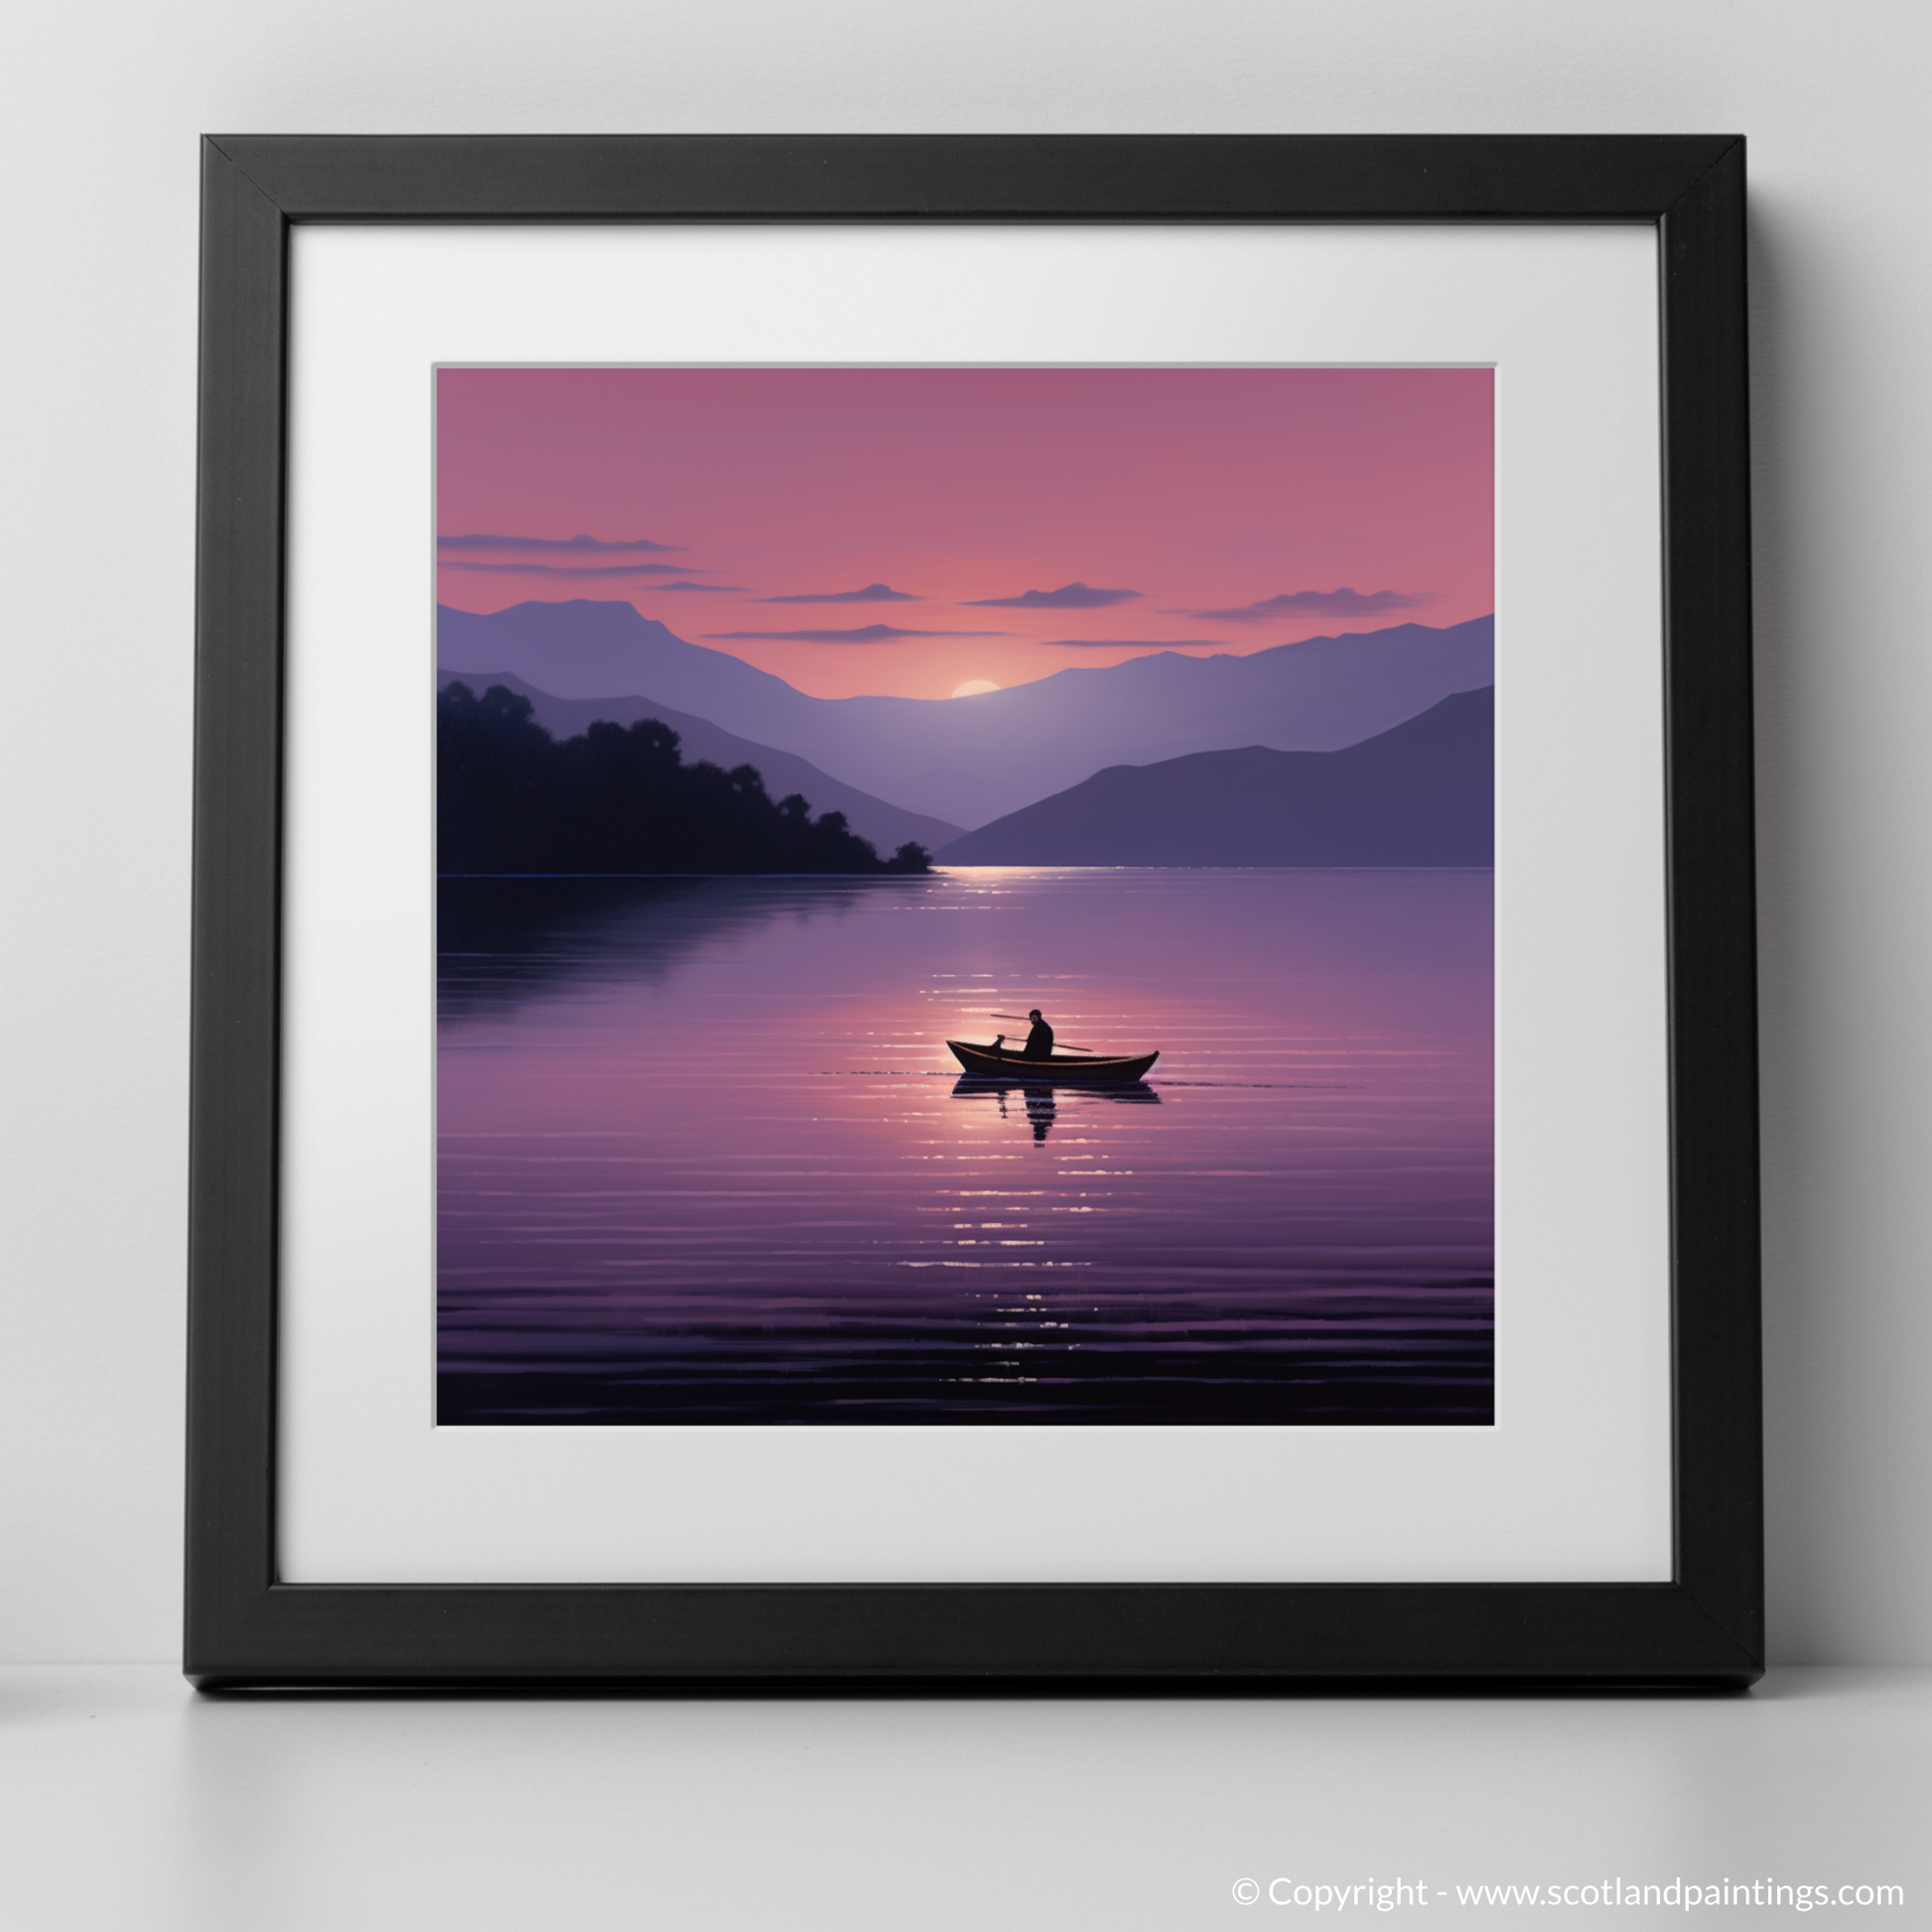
pixel 971 760
pixel 1422 795
pixel 886 825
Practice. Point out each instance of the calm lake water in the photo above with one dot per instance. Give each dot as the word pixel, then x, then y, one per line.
pixel 703 1157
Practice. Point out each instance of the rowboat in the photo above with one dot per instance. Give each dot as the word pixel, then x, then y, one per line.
pixel 994 1063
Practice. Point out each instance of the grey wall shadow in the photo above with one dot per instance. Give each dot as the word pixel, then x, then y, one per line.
pixel 1847 1441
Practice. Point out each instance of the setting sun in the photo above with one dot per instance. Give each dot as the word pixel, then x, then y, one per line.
pixel 973 687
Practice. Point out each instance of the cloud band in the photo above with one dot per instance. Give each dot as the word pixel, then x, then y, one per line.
pixel 1070 597
pixel 1343 603
pixel 872 594
pixel 573 570
pixel 577 543
pixel 871 634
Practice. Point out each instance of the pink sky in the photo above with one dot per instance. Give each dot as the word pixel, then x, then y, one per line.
pixel 1205 492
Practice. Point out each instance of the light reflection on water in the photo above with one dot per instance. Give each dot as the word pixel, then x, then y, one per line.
pixel 704 1155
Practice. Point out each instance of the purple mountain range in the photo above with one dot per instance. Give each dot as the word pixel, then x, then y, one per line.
pixel 972 760
pixel 886 826
pixel 1422 795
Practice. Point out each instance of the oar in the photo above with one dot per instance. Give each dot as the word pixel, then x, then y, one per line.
pixel 1067 1044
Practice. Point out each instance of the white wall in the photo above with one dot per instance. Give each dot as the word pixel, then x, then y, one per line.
pixel 103 102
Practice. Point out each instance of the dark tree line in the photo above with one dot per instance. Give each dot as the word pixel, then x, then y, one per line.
pixel 511 798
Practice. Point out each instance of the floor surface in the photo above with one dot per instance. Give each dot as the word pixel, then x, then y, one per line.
pixel 130 1803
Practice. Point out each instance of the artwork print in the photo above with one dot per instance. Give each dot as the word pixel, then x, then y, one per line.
pixel 965 897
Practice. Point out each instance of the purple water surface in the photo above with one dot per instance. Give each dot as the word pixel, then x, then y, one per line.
pixel 703 1157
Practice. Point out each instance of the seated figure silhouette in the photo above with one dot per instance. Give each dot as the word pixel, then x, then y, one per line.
pixel 1040 1041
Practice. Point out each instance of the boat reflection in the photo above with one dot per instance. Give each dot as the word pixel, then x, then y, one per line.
pixel 1040 1098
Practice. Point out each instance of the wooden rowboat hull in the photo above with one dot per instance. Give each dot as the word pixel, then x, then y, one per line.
pixel 1060 1069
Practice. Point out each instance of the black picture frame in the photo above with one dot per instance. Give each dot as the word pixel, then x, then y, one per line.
pixel 246 1628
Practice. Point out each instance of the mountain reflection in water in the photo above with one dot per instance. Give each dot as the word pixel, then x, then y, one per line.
pixel 703 1157
pixel 501 941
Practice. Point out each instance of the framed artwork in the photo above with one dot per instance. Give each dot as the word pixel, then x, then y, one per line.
pixel 974 910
